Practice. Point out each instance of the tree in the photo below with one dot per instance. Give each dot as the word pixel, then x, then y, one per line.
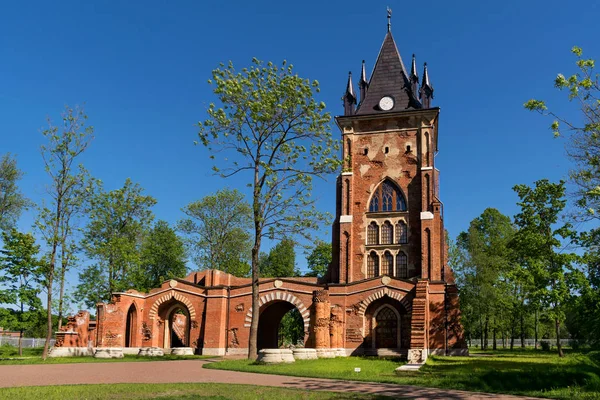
pixel 117 222
pixel 216 231
pixel 162 257
pixel 271 127
pixel 482 275
pixel 19 266
pixel 280 262
pixel 68 186
pixel 12 201
pixel 540 247
pixel 319 259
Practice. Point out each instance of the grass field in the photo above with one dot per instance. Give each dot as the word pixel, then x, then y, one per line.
pixel 171 391
pixel 10 356
pixel 524 372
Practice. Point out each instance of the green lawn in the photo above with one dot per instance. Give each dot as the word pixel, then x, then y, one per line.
pixel 217 391
pixel 524 372
pixel 10 356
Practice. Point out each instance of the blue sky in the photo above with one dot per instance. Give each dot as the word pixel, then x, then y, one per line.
pixel 141 69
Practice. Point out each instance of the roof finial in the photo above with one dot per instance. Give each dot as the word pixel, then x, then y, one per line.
pixel 389 17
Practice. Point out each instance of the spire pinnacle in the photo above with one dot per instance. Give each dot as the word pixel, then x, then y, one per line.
pixel 363 73
pixel 413 69
pixel 350 86
pixel 426 88
pixel 349 97
pixel 425 77
pixel 389 18
pixel 363 84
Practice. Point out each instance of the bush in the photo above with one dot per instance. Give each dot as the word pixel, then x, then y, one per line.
pixel 545 345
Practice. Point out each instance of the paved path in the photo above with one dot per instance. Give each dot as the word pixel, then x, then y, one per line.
pixel 191 371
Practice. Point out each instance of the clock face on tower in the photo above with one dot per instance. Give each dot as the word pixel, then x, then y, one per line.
pixel 386 103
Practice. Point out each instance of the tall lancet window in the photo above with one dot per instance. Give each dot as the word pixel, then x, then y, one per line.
pixel 387 196
pixel 373 233
pixel 401 232
pixel 372 265
pixel 387 233
pixel 387 264
pixel 402 265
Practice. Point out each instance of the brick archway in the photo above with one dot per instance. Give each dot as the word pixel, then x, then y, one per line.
pixel 384 292
pixel 281 296
pixel 172 295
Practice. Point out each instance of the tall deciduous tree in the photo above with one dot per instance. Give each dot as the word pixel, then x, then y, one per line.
pixel 162 257
pixel 539 244
pixel 319 259
pixel 19 266
pixel 12 201
pixel 217 232
pixel 270 126
pixel 280 262
pixel 117 222
pixel 68 184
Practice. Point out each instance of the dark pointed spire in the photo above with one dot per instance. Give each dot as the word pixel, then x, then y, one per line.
pixel 389 17
pixel 349 97
pixel 426 89
pixel 363 84
pixel 414 77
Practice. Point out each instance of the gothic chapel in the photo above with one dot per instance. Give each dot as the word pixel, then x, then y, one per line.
pixel 388 289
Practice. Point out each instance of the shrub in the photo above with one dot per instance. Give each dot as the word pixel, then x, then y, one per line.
pixel 545 345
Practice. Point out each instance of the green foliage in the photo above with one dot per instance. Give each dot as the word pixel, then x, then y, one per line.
pixel 19 268
pixel 270 126
pixel 12 201
pixel 280 262
pixel 162 257
pixel 117 223
pixel 319 259
pixel 216 232
pixel 291 329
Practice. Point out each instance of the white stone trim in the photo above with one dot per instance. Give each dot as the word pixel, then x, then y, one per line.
pixel 426 215
pixel 213 351
pixel 345 219
pixel 426 168
pixel 385 292
pixel 281 296
pixel 346 173
pixel 172 294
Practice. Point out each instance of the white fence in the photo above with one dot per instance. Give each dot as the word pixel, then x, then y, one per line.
pixel 27 342
pixel 517 343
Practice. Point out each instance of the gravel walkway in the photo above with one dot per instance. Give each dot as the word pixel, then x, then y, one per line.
pixel 192 371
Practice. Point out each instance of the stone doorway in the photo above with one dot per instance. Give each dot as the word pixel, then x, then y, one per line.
pixel 387 328
pixel 131 327
pixel 176 321
pixel 271 333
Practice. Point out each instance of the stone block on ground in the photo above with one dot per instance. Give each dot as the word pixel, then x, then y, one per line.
pixel 182 351
pixel 151 352
pixel 275 356
pixel 71 352
pixel 326 353
pixel 131 351
pixel 109 352
pixel 340 352
pixel 305 354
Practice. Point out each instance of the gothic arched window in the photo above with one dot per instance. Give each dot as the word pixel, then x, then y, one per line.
pixel 387 233
pixel 372 265
pixel 402 265
pixel 401 232
pixel 373 233
pixel 387 264
pixel 387 197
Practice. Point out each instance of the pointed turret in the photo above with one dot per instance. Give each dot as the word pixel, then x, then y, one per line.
pixel 349 97
pixel 414 77
pixel 390 79
pixel 426 89
pixel 363 84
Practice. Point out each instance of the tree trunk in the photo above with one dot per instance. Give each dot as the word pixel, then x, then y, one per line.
pixel 487 320
pixel 481 331
pixel 536 329
pixel 21 331
pixel 558 346
pixel 49 318
pixel 512 334
pixel 503 339
pixel 256 209
pixel 494 334
pixel 522 331
pixel 63 270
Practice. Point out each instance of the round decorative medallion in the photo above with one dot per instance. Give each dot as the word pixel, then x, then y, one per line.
pixel 386 103
pixel 386 280
pixel 277 283
pixel 172 283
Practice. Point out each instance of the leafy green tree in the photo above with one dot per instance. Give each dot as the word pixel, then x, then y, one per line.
pixel 280 262
pixel 217 232
pixel 20 266
pixel 539 246
pixel 12 201
pixel 319 259
pixel 270 126
pixel 291 328
pixel 162 257
pixel 69 185
pixel 117 222
pixel 482 274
